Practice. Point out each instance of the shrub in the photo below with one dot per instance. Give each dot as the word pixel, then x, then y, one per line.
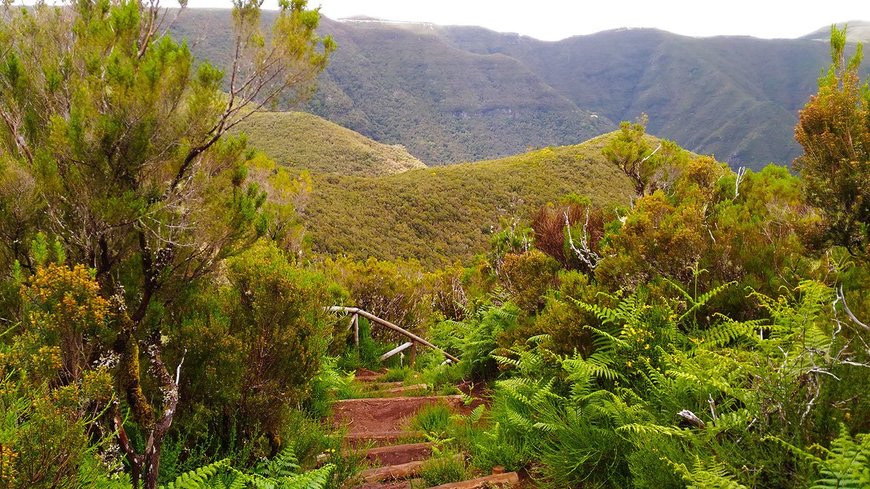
pixel 527 278
pixel 433 420
pixel 443 468
pixel 254 345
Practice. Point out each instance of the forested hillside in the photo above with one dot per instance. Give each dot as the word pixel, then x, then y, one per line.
pixel 743 92
pixel 452 94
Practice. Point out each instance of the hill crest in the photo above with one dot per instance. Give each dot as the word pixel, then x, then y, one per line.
pixel 305 141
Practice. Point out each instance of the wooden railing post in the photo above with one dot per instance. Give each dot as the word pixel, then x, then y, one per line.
pixel 383 322
pixel 355 321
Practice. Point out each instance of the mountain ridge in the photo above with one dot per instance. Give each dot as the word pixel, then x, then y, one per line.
pixel 453 94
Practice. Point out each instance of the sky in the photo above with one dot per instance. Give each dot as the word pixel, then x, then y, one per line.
pixel 557 19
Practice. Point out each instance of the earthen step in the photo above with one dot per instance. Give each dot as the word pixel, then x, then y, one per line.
pixel 400 390
pixel 509 479
pixel 380 438
pixel 374 386
pixel 395 472
pixel 366 375
pixel 399 454
pixel 377 415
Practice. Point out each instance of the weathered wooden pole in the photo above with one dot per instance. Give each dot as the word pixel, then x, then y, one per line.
pixel 355 321
pixel 389 325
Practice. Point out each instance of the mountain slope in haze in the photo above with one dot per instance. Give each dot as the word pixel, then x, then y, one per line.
pixel 306 141
pixel 448 213
pixel 857 31
pixel 452 94
pixel 406 83
pixel 734 97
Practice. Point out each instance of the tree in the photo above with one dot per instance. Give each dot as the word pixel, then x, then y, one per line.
pixel 834 130
pixel 629 151
pixel 115 139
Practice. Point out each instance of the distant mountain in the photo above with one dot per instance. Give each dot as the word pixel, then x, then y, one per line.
pixel 306 141
pixel 407 83
pixel 448 213
pixel 451 94
pixel 734 97
pixel 857 31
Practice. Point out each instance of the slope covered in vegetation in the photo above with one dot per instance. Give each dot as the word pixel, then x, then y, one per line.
pixel 453 94
pixel 164 322
pixel 439 215
pixel 304 141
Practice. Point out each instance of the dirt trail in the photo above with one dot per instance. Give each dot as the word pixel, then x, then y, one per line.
pixel 383 423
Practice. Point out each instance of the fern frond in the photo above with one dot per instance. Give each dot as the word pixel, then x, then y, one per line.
pixel 646 430
pixel 706 476
pixel 313 479
pixel 703 299
pixel 284 464
pixel 729 331
pixel 197 478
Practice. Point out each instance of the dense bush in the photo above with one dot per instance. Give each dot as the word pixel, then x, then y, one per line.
pixel 254 345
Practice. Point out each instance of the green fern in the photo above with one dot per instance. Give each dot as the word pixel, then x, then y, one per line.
pixel 282 465
pixel 705 475
pixel 846 465
pixel 281 472
pixel 199 477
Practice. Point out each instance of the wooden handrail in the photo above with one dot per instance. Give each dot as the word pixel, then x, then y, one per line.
pixel 389 325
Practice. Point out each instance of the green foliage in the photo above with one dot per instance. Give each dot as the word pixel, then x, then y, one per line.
pixel 114 145
pixel 394 291
pixel 305 141
pixel 367 354
pixel 701 476
pixel 433 420
pixel 563 320
pixel 846 464
pixel 528 277
pixel 441 215
pixel 44 430
pixel 444 468
pixel 629 152
pixel 329 385
pixel 254 346
pixel 397 374
pixel 622 414
pixel 711 227
pixel 494 447
pixel 835 136
pixel 280 472
pixel 478 338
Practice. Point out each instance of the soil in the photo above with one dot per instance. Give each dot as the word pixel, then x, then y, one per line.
pixel 383 415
